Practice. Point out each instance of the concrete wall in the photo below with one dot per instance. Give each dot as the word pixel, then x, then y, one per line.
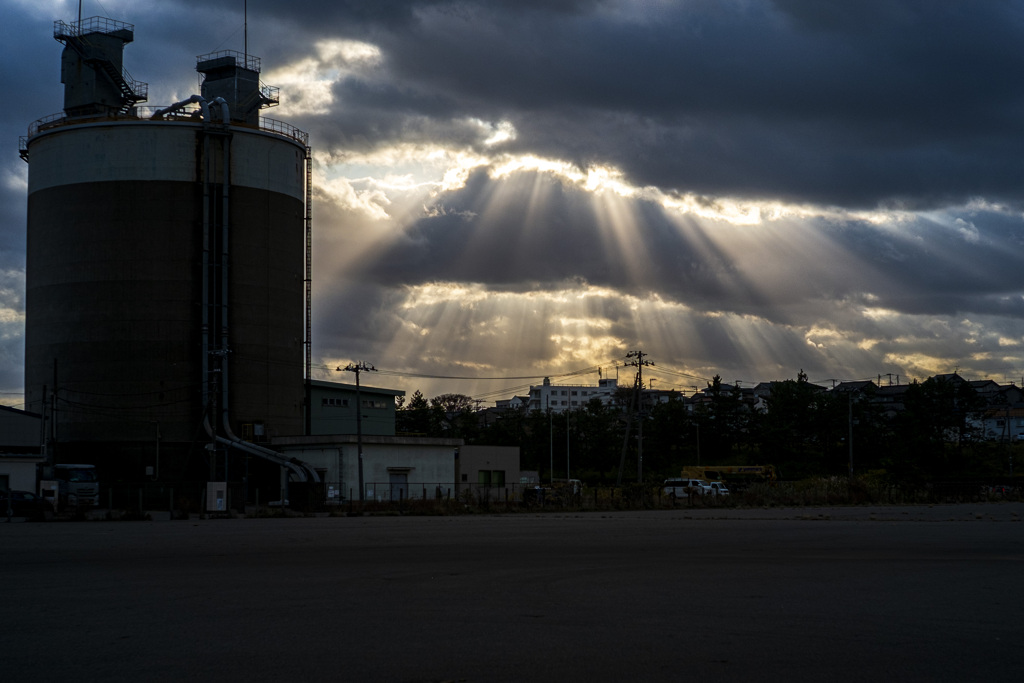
pixel 334 412
pixel 19 431
pixel 20 472
pixel 488 459
pixel 425 463
pixel 487 470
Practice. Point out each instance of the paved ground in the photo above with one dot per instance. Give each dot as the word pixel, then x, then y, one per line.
pixel 838 594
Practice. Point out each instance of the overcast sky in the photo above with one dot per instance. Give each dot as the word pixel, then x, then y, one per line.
pixel 523 188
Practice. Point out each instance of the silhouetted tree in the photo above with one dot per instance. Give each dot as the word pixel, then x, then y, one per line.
pixel 455 416
pixel 931 430
pixel 723 422
pixel 415 417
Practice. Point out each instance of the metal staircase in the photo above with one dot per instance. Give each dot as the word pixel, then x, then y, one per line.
pixel 132 91
pixel 75 36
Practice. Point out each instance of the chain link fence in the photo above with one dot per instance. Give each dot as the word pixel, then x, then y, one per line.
pixel 150 500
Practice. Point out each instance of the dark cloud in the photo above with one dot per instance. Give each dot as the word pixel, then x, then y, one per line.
pixel 909 105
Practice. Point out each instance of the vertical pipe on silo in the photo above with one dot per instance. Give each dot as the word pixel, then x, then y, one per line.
pixel 203 139
pixel 224 268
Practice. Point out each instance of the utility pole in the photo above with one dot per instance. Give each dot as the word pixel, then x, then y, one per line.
pixel 551 441
pixel 567 475
pixel 357 368
pixel 850 419
pixel 637 362
pixel 640 449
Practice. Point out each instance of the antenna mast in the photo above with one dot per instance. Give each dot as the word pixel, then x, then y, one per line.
pixel 245 28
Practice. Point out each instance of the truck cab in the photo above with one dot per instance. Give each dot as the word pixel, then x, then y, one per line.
pixel 78 485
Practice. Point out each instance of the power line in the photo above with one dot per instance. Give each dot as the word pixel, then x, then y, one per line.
pixel 396 373
pixel 574 373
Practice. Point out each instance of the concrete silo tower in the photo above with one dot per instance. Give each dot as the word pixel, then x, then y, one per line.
pixel 167 297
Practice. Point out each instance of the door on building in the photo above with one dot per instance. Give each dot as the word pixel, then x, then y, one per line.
pixel 399 485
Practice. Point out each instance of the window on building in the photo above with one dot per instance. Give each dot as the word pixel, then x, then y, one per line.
pixel 490 477
pixel 334 402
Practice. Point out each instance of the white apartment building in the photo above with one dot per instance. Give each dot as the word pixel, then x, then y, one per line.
pixel 562 397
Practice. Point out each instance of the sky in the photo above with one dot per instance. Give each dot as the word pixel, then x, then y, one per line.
pixel 513 189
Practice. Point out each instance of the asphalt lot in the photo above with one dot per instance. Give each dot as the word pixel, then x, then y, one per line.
pixel 839 594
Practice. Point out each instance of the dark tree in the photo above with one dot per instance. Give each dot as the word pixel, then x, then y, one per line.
pixel 930 433
pixel 454 416
pixel 415 417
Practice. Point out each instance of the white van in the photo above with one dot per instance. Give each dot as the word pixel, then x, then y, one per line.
pixel 683 488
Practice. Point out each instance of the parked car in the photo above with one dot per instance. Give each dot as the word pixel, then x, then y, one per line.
pixel 719 489
pixel 999 490
pixel 23 504
pixel 684 488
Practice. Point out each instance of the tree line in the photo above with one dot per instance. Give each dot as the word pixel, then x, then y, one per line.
pixel 803 430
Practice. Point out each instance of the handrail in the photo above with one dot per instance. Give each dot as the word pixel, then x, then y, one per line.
pixel 144 113
pixel 139 88
pixel 246 61
pixel 44 123
pixel 285 129
pixel 76 29
pixel 271 93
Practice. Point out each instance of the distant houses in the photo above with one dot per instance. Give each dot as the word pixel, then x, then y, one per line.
pixel 992 411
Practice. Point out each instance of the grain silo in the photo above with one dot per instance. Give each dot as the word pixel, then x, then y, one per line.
pixel 167 294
